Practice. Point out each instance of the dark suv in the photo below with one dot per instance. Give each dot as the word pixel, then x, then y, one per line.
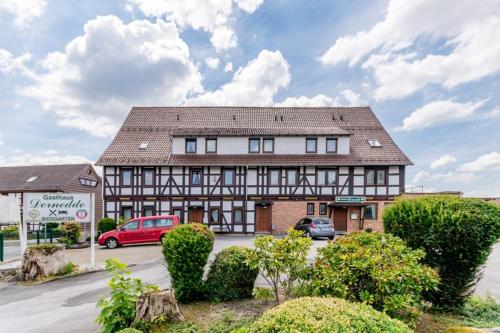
pixel 316 227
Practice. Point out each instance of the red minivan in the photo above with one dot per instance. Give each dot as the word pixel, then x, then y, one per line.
pixel 140 230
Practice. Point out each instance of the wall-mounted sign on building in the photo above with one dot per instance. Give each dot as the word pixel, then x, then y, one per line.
pixel 350 199
pixel 57 207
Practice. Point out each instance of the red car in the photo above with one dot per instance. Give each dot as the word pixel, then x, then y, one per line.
pixel 140 230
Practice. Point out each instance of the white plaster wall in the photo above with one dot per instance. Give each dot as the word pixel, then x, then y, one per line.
pixel 178 145
pixel 290 145
pixel 343 145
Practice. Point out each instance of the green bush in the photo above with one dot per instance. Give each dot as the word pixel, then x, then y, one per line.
pixel 106 224
pixel 281 261
pixel 70 233
pixel 186 249
pixel 118 310
pixel 479 312
pixel 10 232
pixel 45 249
pixel 457 235
pixel 230 277
pixel 129 330
pixel 67 270
pixel 374 268
pixel 325 315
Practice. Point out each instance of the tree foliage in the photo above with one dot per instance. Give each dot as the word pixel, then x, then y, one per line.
pixel 457 235
pixel 281 261
pixel 106 224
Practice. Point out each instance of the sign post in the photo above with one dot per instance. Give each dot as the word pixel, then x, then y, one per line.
pixel 59 208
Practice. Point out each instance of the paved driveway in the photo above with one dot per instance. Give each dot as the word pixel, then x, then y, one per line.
pixel 68 305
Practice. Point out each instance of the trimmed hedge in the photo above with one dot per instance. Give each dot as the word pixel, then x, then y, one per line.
pixel 106 224
pixel 186 249
pixel 230 277
pixel 457 235
pixel 326 315
pixel 129 330
pixel 374 268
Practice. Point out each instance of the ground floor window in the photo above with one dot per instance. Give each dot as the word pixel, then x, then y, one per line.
pixel 238 216
pixel 370 212
pixel 310 208
pixel 178 213
pixel 214 215
pixel 148 211
pixel 322 208
pixel 126 213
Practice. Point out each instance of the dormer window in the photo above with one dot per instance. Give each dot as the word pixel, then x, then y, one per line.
pixel 268 145
pixel 211 145
pixel 144 145
pixel 374 143
pixel 331 145
pixel 311 145
pixel 254 145
pixel 191 146
pixel 31 179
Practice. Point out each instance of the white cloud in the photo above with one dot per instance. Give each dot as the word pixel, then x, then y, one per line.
pixel 443 161
pixel 11 65
pixel 487 161
pixel 1 141
pixel 495 112
pixel 111 67
pixel 228 67
pixel 399 70
pixel 255 84
pixel 44 157
pixel 346 97
pixel 449 177
pixel 439 112
pixel 213 16
pixel 212 63
pixel 24 11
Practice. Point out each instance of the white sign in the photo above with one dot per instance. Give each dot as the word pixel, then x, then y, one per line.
pixel 57 207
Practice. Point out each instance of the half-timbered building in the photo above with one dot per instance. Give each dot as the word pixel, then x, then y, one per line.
pixel 253 169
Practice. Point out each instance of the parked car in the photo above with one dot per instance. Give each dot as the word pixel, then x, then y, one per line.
pixel 140 230
pixel 316 227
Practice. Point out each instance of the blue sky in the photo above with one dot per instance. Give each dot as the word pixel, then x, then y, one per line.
pixel 71 70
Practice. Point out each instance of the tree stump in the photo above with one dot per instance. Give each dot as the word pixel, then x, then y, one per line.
pixel 42 260
pixel 153 304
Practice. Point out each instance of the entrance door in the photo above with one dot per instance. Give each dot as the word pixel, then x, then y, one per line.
pixel 340 218
pixel 195 215
pixel 263 218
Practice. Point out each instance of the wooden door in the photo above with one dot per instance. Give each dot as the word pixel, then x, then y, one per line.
pixel 263 219
pixel 195 215
pixel 340 218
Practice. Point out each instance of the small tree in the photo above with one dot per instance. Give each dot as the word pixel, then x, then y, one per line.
pixel 281 262
pixel 118 311
pixel 186 249
pixel 457 235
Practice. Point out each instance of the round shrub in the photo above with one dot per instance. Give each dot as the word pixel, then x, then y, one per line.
pixel 374 268
pixel 106 224
pixel 457 235
pixel 230 277
pixel 70 232
pixel 332 315
pixel 186 249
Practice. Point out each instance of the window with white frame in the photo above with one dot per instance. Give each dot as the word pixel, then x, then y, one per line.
pixel 327 177
pixel 274 177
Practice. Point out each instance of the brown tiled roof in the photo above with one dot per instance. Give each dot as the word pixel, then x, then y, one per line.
pixel 49 177
pixel 157 125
